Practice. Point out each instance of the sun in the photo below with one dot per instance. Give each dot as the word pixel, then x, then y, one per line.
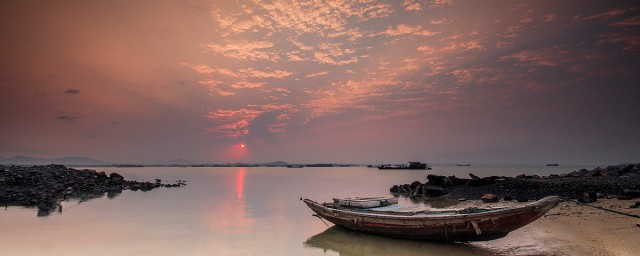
pixel 242 145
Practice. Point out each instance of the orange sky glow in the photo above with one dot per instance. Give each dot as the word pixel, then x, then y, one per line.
pixel 321 81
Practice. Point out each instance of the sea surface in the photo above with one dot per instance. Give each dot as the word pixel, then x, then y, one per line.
pixel 229 211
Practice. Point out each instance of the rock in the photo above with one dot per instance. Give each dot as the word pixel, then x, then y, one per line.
pixel 115 178
pixel 481 182
pixel 631 193
pixel 473 176
pixel 508 198
pixel 522 198
pixel 395 189
pixel 489 198
pixel 414 185
pixel 431 190
pixel 587 197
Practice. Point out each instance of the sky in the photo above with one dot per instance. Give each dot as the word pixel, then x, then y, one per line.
pixel 364 81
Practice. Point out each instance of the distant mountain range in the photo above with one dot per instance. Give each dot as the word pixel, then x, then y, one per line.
pixel 71 161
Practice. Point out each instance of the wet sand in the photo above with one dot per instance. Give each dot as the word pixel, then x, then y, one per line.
pixel 572 229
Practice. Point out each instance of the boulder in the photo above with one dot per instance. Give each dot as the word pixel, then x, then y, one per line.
pixel 116 178
pixel 489 198
pixel 431 190
pixel 522 198
pixel 414 185
pixel 508 198
pixel 631 193
pixel 473 176
pixel 586 197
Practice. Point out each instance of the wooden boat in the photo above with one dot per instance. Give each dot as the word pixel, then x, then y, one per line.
pixel 366 202
pixel 470 224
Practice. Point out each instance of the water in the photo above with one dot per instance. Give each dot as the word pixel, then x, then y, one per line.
pixel 227 211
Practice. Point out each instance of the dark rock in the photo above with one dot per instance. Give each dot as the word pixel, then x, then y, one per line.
pixel 522 198
pixel 473 176
pixel 431 190
pixel 508 198
pixel 631 193
pixel 587 197
pixel 481 182
pixel 414 185
pixel 115 178
pixel 395 189
pixel 489 198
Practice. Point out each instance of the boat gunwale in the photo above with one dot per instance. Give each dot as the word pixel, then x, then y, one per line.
pixel 550 200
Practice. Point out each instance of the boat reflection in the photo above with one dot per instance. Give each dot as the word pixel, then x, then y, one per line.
pixel 350 243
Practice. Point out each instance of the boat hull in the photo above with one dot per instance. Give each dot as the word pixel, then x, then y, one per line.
pixel 438 227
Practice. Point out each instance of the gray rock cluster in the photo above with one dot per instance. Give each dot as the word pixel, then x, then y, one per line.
pixel 621 181
pixel 46 186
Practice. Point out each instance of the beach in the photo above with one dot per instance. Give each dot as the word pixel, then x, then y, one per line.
pixel 573 229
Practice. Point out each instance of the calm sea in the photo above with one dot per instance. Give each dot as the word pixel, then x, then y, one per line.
pixel 227 211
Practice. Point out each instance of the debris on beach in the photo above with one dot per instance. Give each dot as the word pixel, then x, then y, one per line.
pixel 46 186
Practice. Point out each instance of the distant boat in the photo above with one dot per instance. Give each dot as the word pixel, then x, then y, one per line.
pixel 412 165
pixel 463 164
pixel 295 166
pixel 470 224
pixel 553 165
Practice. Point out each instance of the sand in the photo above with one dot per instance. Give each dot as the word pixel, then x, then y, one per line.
pixel 573 229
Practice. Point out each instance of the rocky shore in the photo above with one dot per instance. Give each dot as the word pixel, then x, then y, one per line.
pixel 621 181
pixel 46 186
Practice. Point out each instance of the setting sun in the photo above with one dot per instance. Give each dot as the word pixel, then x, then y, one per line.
pixel 243 145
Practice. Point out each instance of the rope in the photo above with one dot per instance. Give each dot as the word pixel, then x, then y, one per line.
pixel 609 210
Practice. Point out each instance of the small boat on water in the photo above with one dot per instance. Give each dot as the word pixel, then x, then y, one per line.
pixel 365 202
pixel 554 164
pixel 412 165
pixel 447 225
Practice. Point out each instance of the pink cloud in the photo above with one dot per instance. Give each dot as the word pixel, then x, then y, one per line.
pixel 250 72
pixel 323 73
pixel 551 56
pixel 245 50
pixel 404 29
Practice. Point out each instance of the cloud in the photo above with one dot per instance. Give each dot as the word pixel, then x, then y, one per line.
pixel 551 56
pixel 72 91
pixel 247 85
pixel 404 29
pixel 245 50
pixel 412 5
pixel 250 72
pixel 323 73
pixel 235 123
pixel 65 118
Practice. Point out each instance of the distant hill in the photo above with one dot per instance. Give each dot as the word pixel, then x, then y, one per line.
pixel 71 161
pixel 178 161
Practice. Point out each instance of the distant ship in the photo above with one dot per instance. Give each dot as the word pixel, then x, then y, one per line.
pixel 553 165
pixel 463 164
pixel 412 166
